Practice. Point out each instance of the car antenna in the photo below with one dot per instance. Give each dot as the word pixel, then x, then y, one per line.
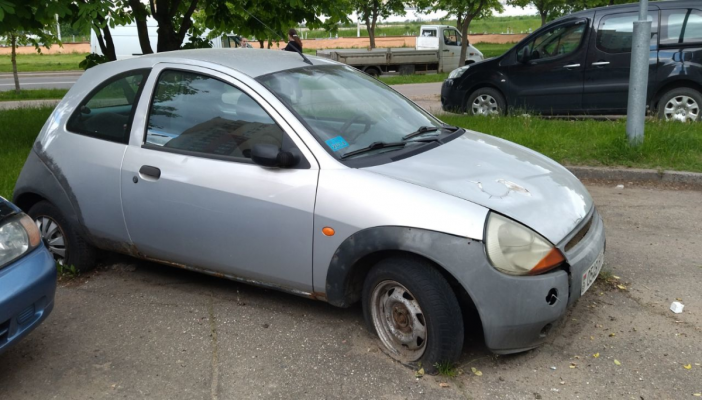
pixel 304 58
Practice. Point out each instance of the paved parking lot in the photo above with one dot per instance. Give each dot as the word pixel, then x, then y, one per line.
pixel 134 329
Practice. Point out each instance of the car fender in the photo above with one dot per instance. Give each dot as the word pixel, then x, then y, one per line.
pixel 479 79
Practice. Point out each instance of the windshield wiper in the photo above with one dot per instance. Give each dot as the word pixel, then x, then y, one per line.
pixel 384 145
pixel 427 129
pixel 422 130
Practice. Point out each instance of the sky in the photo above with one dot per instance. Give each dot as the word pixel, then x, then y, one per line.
pixel 411 14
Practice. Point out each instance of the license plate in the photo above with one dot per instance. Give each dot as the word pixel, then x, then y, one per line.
pixel 591 274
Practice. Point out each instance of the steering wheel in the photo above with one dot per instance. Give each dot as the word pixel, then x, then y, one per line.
pixel 357 118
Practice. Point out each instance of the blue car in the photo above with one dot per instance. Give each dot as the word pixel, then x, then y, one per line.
pixel 27 276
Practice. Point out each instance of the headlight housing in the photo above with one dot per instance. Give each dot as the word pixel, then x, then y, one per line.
pixel 18 236
pixel 456 73
pixel 517 250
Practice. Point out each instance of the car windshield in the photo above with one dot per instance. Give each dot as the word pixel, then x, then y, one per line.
pixel 348 110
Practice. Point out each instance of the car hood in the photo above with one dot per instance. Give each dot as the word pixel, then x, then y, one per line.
pixel 502 176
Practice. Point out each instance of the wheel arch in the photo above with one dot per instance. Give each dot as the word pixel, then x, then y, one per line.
pixel 676 84
pixel 482 85
pixel 355 257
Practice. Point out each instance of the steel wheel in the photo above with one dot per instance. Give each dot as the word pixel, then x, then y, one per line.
pixel 682 108
pixel 485 104
pixel 54 238
pixel 399 321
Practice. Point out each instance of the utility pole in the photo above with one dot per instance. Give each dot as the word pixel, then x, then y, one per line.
pixel 638 78
pixel 358 24
pixel 58 28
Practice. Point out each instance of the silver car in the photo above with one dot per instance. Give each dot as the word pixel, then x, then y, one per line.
pixel 310 177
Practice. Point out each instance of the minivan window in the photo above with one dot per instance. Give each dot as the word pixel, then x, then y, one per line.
pixel 681 27
pixel 559 41
pixel 107 112
pixel 614 34
pixel 196 113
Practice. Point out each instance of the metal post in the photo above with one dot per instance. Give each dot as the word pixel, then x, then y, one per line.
pixel 638 78
pixel 358 24
pixel 58 28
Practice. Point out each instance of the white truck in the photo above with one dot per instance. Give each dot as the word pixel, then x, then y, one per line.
pixel 438 49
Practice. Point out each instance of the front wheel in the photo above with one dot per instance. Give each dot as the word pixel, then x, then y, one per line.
pixel 682 104
pixel 486 101
pixel 414 312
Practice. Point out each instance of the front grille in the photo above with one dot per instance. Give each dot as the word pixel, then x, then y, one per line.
pixel 580 235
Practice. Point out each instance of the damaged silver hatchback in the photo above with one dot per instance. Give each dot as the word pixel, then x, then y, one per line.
pixel 310 177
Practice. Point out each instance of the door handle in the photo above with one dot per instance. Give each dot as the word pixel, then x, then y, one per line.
pixel 147 171
pixel 600 63
pixel 447 50
pixel 569 66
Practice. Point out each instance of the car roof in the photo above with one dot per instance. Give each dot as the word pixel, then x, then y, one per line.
pixel 635 6
pixel 251 62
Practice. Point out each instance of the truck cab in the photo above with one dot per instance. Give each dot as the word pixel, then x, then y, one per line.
pixel 447 40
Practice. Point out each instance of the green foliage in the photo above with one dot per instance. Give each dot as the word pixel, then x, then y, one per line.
pixel 369 11
pixel 197 41
pixel 446 369
pixel 92 60
pixel 67 271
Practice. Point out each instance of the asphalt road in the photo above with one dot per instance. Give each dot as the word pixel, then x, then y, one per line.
pixel 134 329
pixel 40 80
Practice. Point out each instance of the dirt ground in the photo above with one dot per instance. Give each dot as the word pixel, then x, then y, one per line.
pixel 66 49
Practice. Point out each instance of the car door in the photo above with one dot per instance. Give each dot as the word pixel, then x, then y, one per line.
pixel 450 52
pixel 609 61
pixel 547 76
pixel 193 197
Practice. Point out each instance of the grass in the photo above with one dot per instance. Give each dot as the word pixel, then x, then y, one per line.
pixel 33 94
pixel 42 62
pixel 667 145
pixel 493 49
pixel 19 129
pixel 405 79
pixel 446 369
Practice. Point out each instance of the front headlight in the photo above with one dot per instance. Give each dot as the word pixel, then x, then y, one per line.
pixel 456 73
pixel 517 250
pixel 18 235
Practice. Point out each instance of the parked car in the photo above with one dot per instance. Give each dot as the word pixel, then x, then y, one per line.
pixel 27 274
pixel 437 48
pixel 580 64
pixel 311 177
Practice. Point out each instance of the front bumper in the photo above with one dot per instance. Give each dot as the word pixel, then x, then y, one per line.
pixel 518 312
pixel 451 96
pixel 27 289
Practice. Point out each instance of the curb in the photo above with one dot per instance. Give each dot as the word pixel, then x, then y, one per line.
pixel 41 74
pixel 637 175
pixel 14 104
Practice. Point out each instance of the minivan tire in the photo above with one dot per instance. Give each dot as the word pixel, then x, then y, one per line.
pixel 77 252
pixel 486 101
pixel 415 289
pixel 690 101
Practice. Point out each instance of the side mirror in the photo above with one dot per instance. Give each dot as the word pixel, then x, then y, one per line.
pixel 268 155
pixel 523 55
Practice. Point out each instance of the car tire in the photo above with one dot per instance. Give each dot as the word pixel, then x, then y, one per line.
pixel 64 243
pixel 486 102
pixel 372 71
pixel 681 104
pixel 413 287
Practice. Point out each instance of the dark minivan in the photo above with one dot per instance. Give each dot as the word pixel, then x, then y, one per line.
pixel 580 64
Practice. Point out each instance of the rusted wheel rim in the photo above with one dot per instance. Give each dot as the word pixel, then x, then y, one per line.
pixel 53 237
pixel 399 321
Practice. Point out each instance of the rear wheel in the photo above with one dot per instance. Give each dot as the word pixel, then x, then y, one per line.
pixel 486 101
pixel 63 242
pixel 414 312
pixel 682 104
pixel 372 71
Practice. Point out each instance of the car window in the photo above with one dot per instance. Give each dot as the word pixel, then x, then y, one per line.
pixel 429 33
pixel 451 37
pixel 614 34
pixel 681 27
pixel 106 113
pixel 196 113
pixel 559 41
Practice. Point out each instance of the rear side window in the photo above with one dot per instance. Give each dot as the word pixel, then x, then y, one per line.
pixel 107 112
pixel 681 27
pixel 614 34
pixel 196 113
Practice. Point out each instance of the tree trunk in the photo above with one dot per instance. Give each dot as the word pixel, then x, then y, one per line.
pixel 170 38
pixel 543 14
pixel 371 34
pixel 464 42
pixel 13 60
pixel 261 42
pixel 109 44
pixel 139 10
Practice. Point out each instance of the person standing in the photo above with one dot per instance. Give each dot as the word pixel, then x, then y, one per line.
pixel 294 42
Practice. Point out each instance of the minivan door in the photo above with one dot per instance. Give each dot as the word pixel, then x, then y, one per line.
pixel 609 61
pixel 191 194
pixel 450 50
pixel 547 76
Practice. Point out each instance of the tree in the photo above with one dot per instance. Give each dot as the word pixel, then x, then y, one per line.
pixel 465 12
pixel 369 11
pixel 25 22
pixel 547 9
pixel 100 16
